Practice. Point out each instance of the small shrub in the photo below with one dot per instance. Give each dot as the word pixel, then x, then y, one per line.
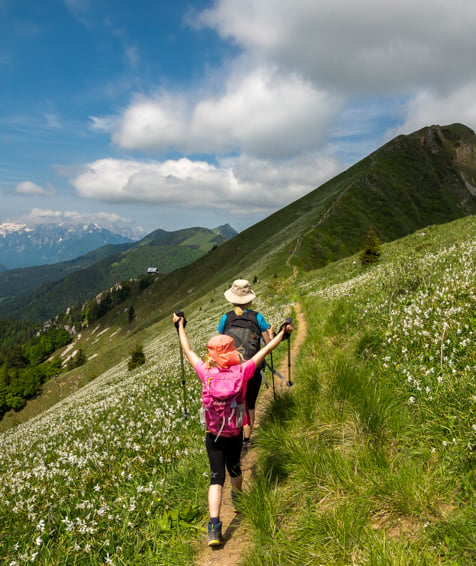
pixel 137 357
pixel 371 249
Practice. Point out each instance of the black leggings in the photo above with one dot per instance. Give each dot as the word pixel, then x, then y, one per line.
pixel 225 452
pixel 252 389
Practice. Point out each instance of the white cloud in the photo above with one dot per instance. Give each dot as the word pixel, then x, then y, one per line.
pixel 355 46
pixel 151 123
pixel 429 107
pixel 260 112
pixel 239 186
pixel 51 216
pixel 266 114
pixel 313 80
pixel 301 63
pixel 30 188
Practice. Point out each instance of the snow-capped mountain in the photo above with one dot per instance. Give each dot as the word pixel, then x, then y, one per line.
pixel 23 245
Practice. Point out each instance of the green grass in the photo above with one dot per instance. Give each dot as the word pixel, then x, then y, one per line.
pixel 113 473
pixel 368 459
pixel 373 461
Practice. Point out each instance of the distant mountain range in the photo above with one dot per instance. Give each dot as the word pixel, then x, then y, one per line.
pixel 414 181
pixel 23 245
pixel 39 292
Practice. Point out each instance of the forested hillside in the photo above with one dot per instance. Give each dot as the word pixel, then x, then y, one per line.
pixel 25 363
pixel 41 292
pixel 31 354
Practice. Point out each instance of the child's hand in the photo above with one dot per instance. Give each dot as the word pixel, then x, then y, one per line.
pixel 287 327
pixel 177 317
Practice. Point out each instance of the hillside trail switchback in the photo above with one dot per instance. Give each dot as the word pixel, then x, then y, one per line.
pixel 235 535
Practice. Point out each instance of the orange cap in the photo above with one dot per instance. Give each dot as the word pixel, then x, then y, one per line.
pixel 222 349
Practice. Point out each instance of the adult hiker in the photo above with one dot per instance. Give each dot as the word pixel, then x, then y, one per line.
pixel 247 327
pixel 222 369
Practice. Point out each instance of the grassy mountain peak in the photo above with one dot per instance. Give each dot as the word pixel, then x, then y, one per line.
pixel 369 457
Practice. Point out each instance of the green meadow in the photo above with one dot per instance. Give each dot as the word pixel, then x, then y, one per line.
pixel 368 459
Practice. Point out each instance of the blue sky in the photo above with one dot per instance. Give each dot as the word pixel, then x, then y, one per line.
pixel 198 113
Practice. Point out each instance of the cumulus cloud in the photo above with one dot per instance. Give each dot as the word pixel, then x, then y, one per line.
pixel 312 83
pixel 30 188
pixel 363 46
pixel 260 112
pixel 429 107
pixel 240 185
pixel 301 64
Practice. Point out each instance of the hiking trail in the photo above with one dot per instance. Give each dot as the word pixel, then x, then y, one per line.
pixel 235 536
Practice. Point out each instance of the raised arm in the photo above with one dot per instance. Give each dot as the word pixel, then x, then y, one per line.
pixel 187 350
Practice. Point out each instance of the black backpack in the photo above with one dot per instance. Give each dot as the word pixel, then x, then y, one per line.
pixel 245 332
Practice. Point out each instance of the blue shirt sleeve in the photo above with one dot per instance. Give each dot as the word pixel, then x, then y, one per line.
pixel 263 325
pixel 221 324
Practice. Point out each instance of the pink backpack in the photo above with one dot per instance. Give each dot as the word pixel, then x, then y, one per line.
pixel 223 406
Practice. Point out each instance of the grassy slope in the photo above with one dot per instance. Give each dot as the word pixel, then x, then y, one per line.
pixel 359 464
pixel 411 182
pixel 263 250
pixel 329 222
pixel 370 460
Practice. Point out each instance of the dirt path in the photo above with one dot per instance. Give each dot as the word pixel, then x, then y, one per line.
pixel 235 535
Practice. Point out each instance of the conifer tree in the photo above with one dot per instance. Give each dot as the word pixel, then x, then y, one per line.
pixel 131 314
pixel 137 357
pixel 371 249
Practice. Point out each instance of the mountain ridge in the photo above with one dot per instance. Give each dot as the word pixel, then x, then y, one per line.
pixel 24 245
pixel 412 181
pixel 22 291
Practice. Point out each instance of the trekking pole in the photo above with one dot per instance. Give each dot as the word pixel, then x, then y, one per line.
pixel 288 338
pixel 263 367
pixel 289 382
pixel 186 414
pixel 272 373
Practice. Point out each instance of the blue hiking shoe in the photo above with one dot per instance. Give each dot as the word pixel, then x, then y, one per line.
pixel 214 534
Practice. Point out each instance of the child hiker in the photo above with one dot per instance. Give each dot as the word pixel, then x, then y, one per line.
pixel 246 326
pixel 223 367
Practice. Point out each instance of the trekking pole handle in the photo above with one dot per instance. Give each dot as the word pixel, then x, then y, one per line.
pixel 289 320
pixel 180 314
